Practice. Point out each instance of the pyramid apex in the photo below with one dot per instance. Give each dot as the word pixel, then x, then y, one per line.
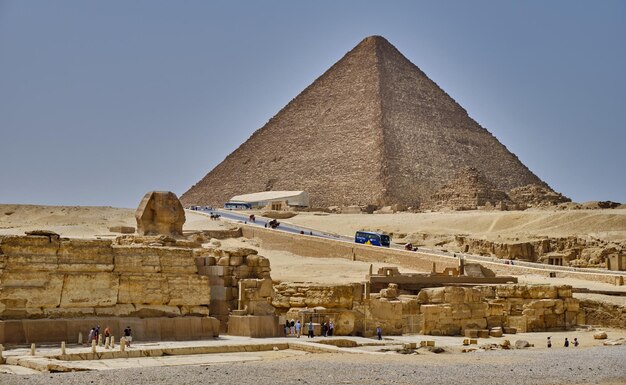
pixel 373 40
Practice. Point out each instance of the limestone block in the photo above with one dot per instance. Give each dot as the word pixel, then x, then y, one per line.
pixel 385 310
pixel 30 289
pixel 564 291
pixel 601 335
pixel 136 259
pixel 238 252
pixel 261 308
pixel 281 301
pixel 471 333
pixel 509 330
pixel 483 333
pixel 88 256
pixel 496 307
pixel 69 312
pixel 160 212
pixel 148 311
pixel 297 302
pixel 90 290
pixel 241 272
pixel 435 295
pixel 473 323
pixel 454 295
pixel 542 292
pixel 219 271
pixel 496 332
pixel 220 281
pixel 266 289
pixel 461 311
pixel 520 323
pixel 410 306
pixel 119 310
pixel 236 260
pixel 176 260
pixel 479 310
pixel 143 289
pixel 495 321
pixel 194 310
pixel 188 290
pixel 223 261
pixel 572 304
pixel 221 293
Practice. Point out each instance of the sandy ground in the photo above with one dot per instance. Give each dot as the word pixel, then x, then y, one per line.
pixel 607 224
pixel 81 221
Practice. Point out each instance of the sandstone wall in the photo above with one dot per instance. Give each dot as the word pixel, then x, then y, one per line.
pixel 51 277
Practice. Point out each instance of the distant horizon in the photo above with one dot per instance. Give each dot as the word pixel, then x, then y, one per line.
pixel 103 102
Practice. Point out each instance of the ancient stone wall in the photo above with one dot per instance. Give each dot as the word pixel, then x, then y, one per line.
pixel 52 277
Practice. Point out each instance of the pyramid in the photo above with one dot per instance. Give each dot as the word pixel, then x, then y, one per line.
pixel 373 129
pixel 469 190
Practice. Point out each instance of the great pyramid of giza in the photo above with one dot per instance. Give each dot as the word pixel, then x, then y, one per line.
pixel 373 129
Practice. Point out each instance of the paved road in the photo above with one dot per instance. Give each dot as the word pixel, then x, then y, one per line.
pixel 288 227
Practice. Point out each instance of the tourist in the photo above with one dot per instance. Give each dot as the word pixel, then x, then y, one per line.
pixel 575 342
pixel 92 333
pixel 311 328
pixel 566 344
pixel 97 334
pixel 128 335
pixel 292 327
pixel 379 332
pixel 287 328
pixel 549 342
pixel 324 329
pixel 107 332
pixel 331 328
pixel 298 327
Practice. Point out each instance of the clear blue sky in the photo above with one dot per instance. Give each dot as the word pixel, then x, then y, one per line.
pixel 103 101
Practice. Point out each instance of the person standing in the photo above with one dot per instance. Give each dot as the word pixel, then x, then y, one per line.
pixel 298 327
pixel 128 335
pixel 566 344
pixel 311 328
pixel 92 333
pixel 575 342
pixel 379 332
pixel 292 327
pixel 549 342
pixel 331 328
pixel 287 328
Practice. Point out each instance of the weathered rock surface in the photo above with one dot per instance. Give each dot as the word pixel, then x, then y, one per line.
pixel 534 195
pixel 160 212
pixel 51 277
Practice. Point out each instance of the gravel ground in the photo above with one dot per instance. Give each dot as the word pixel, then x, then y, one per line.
pixel 593 365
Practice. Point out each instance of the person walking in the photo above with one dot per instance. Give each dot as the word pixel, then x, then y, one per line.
pixel 575 342
pixel 298 327
pixel 379 332
pixel 566 344
pixel 292 327
pixel 92 333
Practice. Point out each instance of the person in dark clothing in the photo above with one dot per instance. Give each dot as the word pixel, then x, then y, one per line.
pixel 549 342
pixel 379 332
pixel 566 344
pixel 311 328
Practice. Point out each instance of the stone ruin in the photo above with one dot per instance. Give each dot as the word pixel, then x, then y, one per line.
pixel 160 213
pixel 469 190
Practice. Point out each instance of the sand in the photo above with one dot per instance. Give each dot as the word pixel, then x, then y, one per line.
pixel 606 224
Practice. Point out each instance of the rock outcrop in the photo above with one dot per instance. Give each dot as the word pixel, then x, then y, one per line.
pixel 373 129
pixel 160 213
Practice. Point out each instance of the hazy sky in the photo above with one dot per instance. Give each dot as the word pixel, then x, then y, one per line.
pixel 103 101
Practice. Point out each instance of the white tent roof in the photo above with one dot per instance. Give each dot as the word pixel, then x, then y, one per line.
pixel 265 196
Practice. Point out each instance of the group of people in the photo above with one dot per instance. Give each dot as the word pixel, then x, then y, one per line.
pixel 294 328
pixel 94 334
pixel 565 344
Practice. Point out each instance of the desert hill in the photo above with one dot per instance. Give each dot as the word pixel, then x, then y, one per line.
pixel 373 129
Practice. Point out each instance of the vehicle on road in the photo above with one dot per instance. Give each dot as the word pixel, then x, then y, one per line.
pixel 237 206
pixel 372 238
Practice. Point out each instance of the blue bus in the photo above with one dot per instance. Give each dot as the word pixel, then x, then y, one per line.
pixel 237 206
pixel 375 239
